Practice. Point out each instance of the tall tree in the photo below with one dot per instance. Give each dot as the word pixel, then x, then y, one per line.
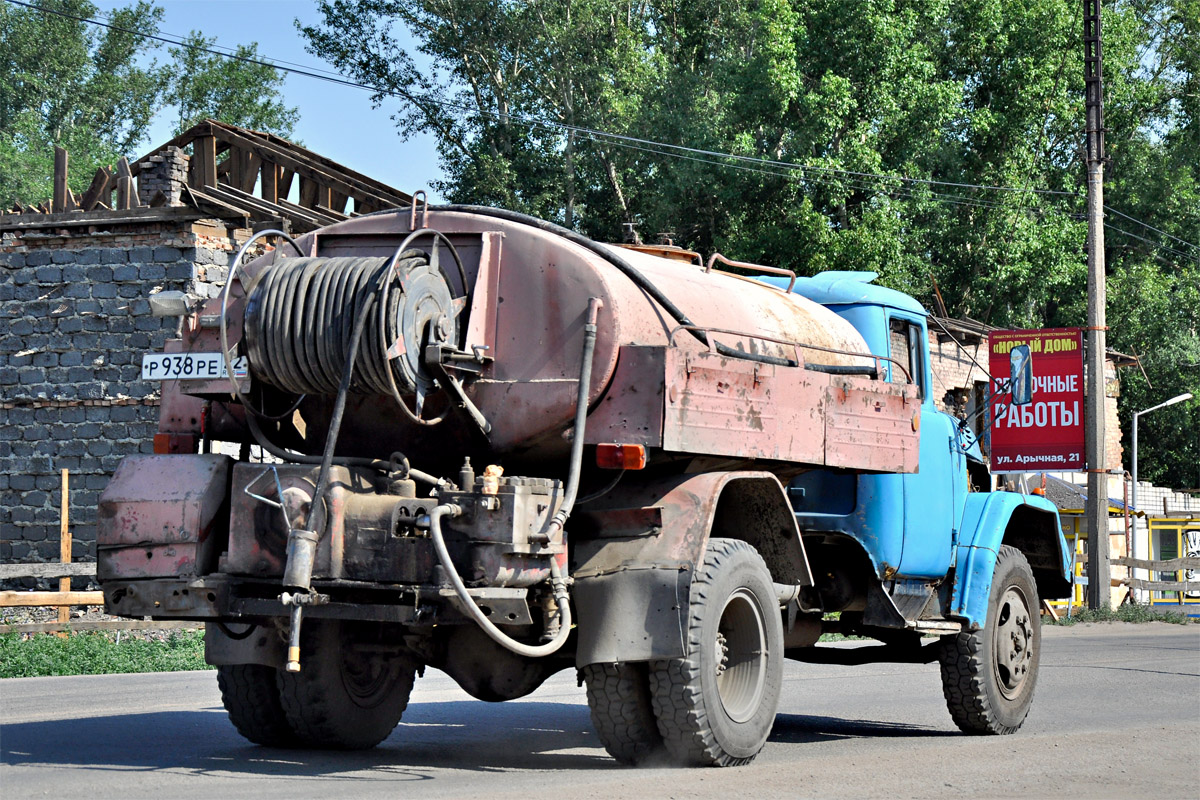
pixel 909 137
pixel 95 90
pixel 65 83
pixel 240 90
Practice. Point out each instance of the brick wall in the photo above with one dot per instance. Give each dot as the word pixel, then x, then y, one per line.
pixel 74 322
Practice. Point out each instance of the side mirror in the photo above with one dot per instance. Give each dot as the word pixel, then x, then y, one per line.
pixel 1021 375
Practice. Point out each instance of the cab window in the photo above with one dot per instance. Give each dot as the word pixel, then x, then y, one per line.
pixel 906 344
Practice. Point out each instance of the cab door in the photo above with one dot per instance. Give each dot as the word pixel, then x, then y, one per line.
pixel 933 496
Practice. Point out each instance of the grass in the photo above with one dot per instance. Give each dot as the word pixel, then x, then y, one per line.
pixel 1122 613
pixel 99 653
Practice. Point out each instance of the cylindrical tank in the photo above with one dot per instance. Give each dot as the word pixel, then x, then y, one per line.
pixel 532 298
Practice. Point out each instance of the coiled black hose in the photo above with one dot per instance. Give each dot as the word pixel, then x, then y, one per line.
pixel 300 318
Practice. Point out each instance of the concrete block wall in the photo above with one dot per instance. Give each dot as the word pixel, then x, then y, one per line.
pixel 74 322
pixel 1150 499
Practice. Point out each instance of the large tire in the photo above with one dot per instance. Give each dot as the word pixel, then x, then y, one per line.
pixel 716 705
pixel 622 711
pixel 345 697
pixel 251 696
pixel 989 675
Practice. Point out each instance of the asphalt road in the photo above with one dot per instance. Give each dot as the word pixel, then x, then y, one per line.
pixel 1117 714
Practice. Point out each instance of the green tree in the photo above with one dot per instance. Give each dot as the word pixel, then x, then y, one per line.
pixel 95 90
pixel 235 90
pixel 65 83
pixel 1154 269
pixel 857 134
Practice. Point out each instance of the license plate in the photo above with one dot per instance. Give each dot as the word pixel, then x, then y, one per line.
pixel 188 366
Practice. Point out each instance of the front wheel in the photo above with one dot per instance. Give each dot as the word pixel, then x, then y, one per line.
pixel 988 675
pixel 716 705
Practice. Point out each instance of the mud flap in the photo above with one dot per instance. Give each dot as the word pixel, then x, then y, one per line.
pixel 633 615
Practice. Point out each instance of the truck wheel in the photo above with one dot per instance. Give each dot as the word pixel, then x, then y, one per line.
pixel 622 712
pixel 716 705
pixel 988 675
pixel 346 696
pixel 251 696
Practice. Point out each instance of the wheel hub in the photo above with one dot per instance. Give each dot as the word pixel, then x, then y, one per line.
pixel 367 678
pixel 1013 643
pixel 740 656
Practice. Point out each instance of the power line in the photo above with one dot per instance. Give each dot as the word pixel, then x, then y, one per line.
pixel 183 43
pixel 943 198
pixel 701 155
pixel 591 132
pixel 1115 229
pixel 1150 227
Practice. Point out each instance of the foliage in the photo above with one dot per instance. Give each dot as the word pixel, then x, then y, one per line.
pixel 65 83
pixel 1123 613
pixel 98 653
pixel 832 134
pixel 233 90
pixel 95 91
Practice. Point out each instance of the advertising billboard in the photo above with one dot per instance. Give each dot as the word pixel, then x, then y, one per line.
pixel 1037 400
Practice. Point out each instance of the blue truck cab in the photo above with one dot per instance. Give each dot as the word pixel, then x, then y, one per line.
pixel 935 534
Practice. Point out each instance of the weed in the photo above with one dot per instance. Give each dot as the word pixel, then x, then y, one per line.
pixel 98 653
pixel 1122 613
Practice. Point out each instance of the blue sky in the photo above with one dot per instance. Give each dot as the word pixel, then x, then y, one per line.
pixel 336 121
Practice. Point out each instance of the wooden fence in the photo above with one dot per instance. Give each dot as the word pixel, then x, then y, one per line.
pixel 1176 565
pixel 64 598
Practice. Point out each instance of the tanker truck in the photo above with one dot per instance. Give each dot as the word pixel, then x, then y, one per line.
pixel 463 438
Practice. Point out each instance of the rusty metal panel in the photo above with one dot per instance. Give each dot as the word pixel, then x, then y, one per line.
pixel 730 407
pixel 163 516
pixel 722 406
pixel 632 410
pixel 258 532
pixel 481 325
pixel 872 428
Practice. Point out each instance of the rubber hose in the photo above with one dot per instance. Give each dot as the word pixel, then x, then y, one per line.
pixel 581 406
pixel 300 320
pixel 292 457
pixel 473 610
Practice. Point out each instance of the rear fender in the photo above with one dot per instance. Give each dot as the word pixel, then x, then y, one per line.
pixel 1027 522
pixel 633 559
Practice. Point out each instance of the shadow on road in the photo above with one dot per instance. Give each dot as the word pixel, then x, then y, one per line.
pixel 802 729
pixel 454 735
pixel 464 735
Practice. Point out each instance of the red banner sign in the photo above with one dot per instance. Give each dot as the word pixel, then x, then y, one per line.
pixel 1037 400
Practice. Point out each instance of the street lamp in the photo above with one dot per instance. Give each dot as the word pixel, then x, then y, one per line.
pixel 1186 396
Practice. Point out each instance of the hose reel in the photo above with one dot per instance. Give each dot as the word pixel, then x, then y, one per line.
pixel 300 316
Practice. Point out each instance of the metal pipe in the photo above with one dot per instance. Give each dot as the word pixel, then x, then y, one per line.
pixel 468 603
pixel 581 406
pixel 260 438
pixel 1128 530
pixel 1137 551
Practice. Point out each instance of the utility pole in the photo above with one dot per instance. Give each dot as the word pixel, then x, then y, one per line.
pixel 1097 499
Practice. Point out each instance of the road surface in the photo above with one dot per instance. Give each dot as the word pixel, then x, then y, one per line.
pixel 1117 714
